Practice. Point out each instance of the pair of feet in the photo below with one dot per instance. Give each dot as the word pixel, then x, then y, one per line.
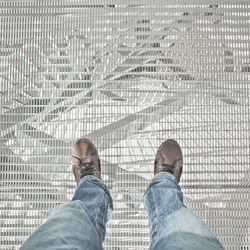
pixel 85 159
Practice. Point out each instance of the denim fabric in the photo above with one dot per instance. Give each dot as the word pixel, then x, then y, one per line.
pixel 97 200
pixel 80 224
pixel 172 226
pixel 75 225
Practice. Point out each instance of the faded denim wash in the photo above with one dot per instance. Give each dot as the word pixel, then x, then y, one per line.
pixel 75 225
pixel 80 224
pixel 172 226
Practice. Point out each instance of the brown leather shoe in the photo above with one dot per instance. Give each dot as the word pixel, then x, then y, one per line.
pixel 169 159
pixel 85 160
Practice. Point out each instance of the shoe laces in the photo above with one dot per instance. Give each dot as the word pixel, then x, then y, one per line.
pixel 86 167
pixel 169 167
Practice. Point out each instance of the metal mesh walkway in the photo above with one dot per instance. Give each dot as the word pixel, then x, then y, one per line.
pixel 127 75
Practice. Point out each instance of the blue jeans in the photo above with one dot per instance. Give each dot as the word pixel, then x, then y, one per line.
pixel 172 226
pixel 80 224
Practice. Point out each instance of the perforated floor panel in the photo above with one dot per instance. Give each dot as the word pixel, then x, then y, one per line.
pixel 127 75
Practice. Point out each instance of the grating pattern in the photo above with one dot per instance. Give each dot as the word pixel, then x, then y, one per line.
pixel 128 75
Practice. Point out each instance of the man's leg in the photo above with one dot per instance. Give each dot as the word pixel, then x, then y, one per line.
pixel 172 225
pixel 79 224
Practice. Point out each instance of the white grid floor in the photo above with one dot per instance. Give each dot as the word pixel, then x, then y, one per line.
pixel 127 75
